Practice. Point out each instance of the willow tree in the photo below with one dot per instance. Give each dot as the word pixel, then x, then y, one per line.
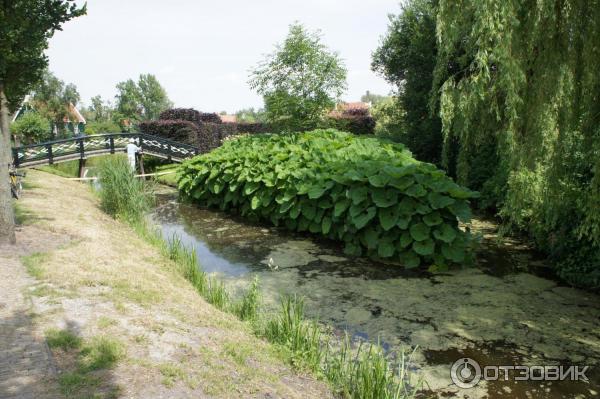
pixel 525 82
pixel 25 28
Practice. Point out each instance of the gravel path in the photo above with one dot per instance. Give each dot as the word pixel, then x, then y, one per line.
pixel 25 361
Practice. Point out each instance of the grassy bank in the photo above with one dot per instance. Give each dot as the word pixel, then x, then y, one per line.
pixel 102 292
pixel 355 372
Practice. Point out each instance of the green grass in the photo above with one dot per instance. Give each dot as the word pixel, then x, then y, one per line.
pixel 73 383
pixel 171 374
pixel 121 194
pixel 63 339
pixel 22 215
pixel 99 353
pixel 105 322
pixel 34 264
pixel 170 179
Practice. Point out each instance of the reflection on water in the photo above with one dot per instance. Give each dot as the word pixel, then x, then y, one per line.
pixel 495 313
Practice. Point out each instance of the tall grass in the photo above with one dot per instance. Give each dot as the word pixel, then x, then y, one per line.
pixel 121 194
pixel 363 372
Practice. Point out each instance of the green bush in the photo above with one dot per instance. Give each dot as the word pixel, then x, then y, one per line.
pixel 121 194
pixel 98 127
pixel 370 194
pixel 31 128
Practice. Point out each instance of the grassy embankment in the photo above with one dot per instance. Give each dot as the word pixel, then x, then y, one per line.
pixel 363 372
pixel 120 318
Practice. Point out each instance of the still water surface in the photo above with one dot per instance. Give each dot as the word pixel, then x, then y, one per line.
pixel 502 312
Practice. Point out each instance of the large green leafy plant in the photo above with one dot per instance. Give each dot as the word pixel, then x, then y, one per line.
pixel 370 194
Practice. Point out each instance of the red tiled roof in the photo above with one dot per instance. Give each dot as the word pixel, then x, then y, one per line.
pixel 228 118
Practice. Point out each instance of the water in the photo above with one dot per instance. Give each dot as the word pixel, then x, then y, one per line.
pixel 498 313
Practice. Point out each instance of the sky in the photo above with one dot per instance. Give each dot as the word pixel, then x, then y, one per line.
pixel 202 51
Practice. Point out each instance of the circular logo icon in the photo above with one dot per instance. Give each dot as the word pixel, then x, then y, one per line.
pixel 465 373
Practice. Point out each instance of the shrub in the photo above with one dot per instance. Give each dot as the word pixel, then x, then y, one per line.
pixel 102 127
pixel 190 115
pixel 253 127
pixel 178 130
pixel 31 128
pixel 354 121
pixel 368 193
pixel 185 114
pixel 121 194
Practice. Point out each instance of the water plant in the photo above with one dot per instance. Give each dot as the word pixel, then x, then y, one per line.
pixel 370 194
pixel 121 194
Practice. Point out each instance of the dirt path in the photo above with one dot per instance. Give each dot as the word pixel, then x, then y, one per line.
pixel 127 324
pixel 24 357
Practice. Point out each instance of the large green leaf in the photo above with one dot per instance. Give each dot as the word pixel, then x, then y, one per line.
pixel 402 183
pixel 250 187
pixel 326 225
pixel 384 198
pixel 416 190
pixel 370 237
pixel 419 231
pixel 438 200
pixel 388 217
pixel 454 253
pixel 445 233
pixel 358 194
pixel 424 247
pixel 432 219
pixel 363 218
pixel 316 192
pixel 461 210
pixel 405 240
pixel 341 206
pixel 386 248
pixel 410 260
pixel 379 180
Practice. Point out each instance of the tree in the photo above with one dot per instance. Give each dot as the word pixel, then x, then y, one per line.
pixel 51 99
pixel 520 84
pixel 299 81
pixel 99 110
pixel 145 99
pixel 128 100
pixel 389 118
pixel 153 97
pixel 250 115
pixel 25 28
pixel 31 128
pixel 373 99
pixel 406 57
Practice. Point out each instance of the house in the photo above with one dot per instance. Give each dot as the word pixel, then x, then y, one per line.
pixel 358 107
pixel 74 121
pixel 228 118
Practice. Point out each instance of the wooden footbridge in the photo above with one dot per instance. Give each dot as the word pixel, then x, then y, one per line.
pixel 83 147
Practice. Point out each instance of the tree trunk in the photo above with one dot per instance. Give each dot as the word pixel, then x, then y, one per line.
pixel 7 214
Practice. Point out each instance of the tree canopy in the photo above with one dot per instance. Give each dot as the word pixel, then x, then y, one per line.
pixel 406 58
pixel 299 81
pixel 526 82
pixel 25 28
pixel 145 99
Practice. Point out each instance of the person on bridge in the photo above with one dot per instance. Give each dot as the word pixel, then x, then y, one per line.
pixel 132 151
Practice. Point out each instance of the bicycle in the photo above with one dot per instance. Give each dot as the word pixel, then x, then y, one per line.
pixel 16 182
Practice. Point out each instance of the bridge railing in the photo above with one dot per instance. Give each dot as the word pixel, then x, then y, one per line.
pixel 83 146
